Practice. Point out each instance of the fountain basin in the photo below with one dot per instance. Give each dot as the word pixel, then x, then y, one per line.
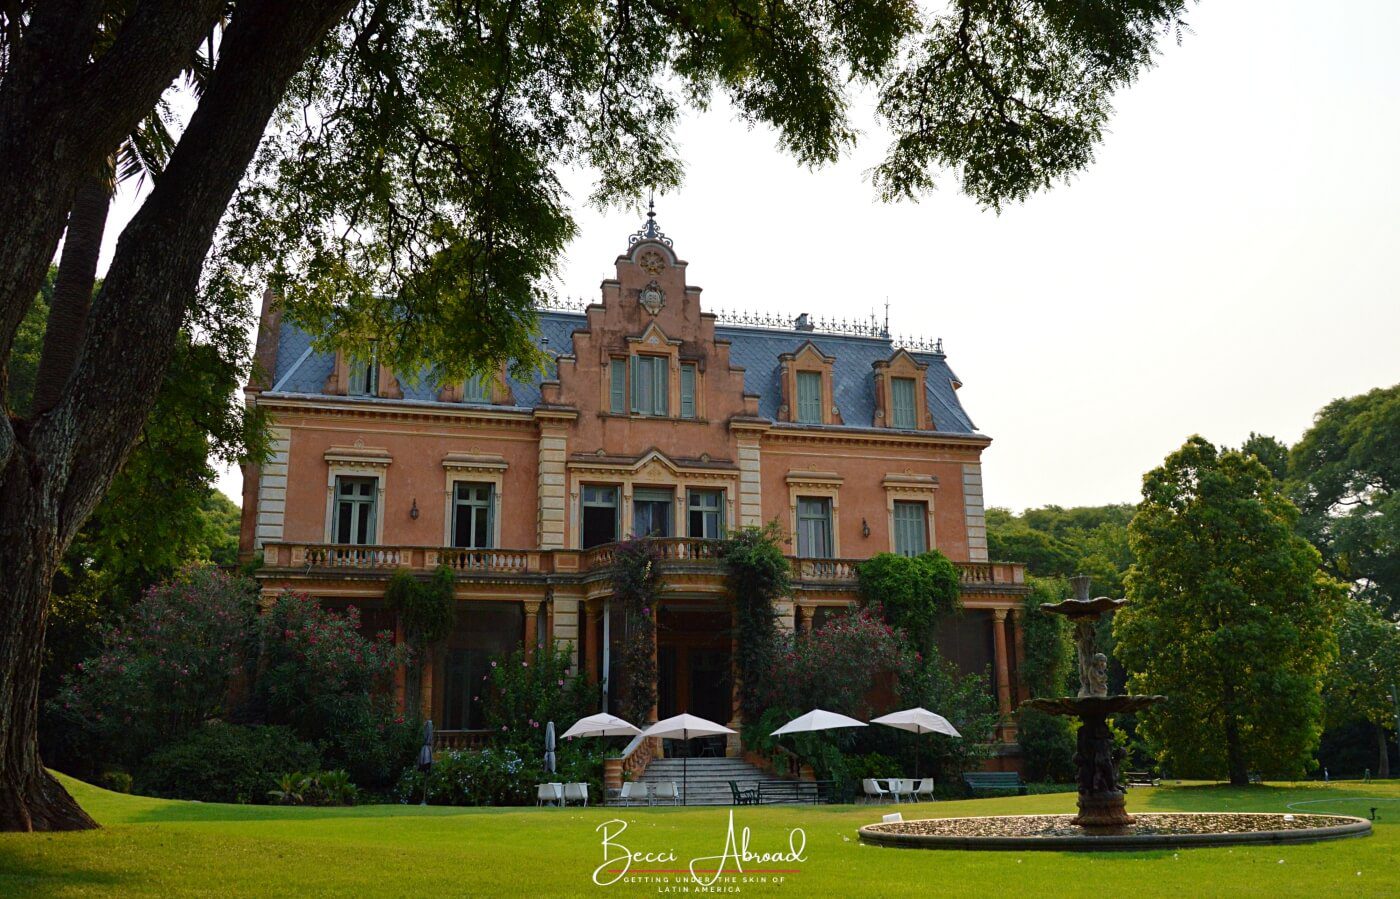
pixel 1148 831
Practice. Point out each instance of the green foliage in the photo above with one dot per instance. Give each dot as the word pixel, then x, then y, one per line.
pixel 1048 668
pixel 1271 452
pixel 166 668
pixel 1345 477
pixel 1368 665
pixel 426 614
pixel 225 763
pixel 758 575
pixel 836 666
pixel 500 775
pixel 966 700
pixel 319 676
pixel 314 788
pixel 1057 542
pixel 521 697
pixel 117 781
pixel 23 364
pixel 636 585
pixel 914 592
pixel 1230 619
pixel 1047 747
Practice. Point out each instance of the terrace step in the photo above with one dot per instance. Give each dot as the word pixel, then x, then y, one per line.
pixel 705 781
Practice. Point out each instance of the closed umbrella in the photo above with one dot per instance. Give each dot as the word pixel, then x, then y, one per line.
pixel 603 725
pixel 685 727
pixel 425 757
pixel 550 762
pixel 817 719
pixel 919 721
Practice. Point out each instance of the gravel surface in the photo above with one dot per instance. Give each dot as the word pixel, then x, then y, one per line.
pixel 1059 826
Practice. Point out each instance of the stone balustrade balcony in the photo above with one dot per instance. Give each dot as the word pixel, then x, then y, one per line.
pixel 330 559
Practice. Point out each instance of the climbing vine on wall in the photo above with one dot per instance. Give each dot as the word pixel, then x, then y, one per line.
pixel 636 585
pixel 759 575
pixel 426 615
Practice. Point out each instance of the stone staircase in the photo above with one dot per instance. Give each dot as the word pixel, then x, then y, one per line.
pixel 707 779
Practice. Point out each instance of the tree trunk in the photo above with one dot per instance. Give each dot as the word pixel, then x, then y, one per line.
pixel 54 470
pixel 1234 752
pixel 1383 760
pixel 72 291
pixel 30 797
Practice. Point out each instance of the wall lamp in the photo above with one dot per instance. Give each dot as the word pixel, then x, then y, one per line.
pixel 413 512
pixel 864 528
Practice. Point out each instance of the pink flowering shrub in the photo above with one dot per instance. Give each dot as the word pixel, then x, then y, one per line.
pixel 332 685
pixel 520 698
pixel 836 666
pixel 167 667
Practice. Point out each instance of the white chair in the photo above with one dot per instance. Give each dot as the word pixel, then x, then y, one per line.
pixel 902 788
pixel 873 790
pixel 576 793
pixel 666 792
pixel 631 792
pixel 551 794
pixel 923 789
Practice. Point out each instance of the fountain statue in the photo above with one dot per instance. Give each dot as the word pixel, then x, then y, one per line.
pixel 1101 795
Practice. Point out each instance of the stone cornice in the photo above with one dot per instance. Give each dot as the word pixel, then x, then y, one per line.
pixel 395 410
pixel 785 432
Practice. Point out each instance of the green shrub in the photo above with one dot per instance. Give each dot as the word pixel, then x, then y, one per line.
pixel 225 763
pixel 117 781
pixel 758 575
pixel 521 697
pixel 315 788
pixel 914 592
pixel 166 667
pixel 1047 747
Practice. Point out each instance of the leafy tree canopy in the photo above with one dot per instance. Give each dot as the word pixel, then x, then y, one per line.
pixel 1230 618
pixel 915 592
pixel 1346 478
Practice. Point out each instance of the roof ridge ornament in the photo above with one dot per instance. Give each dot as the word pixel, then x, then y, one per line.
pixel 649 231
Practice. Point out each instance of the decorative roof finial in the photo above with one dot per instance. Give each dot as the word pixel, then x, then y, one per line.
pixel 649 230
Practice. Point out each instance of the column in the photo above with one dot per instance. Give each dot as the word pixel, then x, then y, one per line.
pixel 425 689
pixel 531 635
pixel 1003 673
pixel 736 716
pixel 807 617
pixel 1018 634
pixel 593 616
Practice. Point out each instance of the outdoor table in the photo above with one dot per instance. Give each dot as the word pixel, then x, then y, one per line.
pixel 889 783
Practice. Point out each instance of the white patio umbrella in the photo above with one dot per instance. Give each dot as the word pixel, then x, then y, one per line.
pixel 817 719
pixel 685 727
pixel 603 725
pixel 920 721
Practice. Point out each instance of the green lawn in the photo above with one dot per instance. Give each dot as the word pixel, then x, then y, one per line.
pixel 155 847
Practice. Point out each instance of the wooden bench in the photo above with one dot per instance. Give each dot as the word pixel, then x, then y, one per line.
pixel 1141 779
pixel 987 781
pixel 812 791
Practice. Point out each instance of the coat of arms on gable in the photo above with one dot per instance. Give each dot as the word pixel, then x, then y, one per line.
pixel 652 297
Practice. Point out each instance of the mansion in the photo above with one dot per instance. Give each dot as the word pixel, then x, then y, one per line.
pixel 655 418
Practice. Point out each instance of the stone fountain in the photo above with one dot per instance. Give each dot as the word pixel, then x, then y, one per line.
pixel 1103 821
pixel 1101 794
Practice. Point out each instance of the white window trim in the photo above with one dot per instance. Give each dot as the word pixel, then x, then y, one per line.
pixel 914 488
pixel 365 469
pixel 816 485
pixel 475 469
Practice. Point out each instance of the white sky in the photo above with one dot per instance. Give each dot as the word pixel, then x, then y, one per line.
pixel 1227 264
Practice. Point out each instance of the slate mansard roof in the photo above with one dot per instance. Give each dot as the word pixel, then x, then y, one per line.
pixel 302 370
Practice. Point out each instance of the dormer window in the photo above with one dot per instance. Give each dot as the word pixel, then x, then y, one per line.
pixel 903 393
pixel 809 397
pixel 364 374
pixel 477 389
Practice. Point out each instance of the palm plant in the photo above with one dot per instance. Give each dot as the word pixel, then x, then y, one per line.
pixel 291 789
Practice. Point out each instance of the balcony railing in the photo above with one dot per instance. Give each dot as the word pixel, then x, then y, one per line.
pixel 460 739
pixel 317 556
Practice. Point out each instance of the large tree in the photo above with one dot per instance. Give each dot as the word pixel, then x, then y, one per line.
pixel 407 189
pixel 1231 618
pixel 1346 477
pixel 1367 670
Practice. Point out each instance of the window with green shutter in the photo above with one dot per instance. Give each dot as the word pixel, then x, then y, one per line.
pixel 813 527
pixel 650 385
pixel 617 386
pixel 910 528
pixel 688 391
pixel 809 397
pixel 903 393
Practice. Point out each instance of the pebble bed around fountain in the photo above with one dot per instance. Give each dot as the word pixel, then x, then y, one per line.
pixel 1148 831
